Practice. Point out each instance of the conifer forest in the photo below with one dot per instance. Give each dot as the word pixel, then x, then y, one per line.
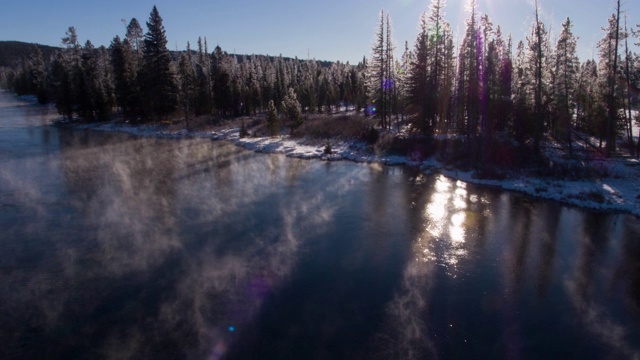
pixel 478 85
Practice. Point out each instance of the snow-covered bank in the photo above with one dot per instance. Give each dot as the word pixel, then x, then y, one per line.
pixel 617 193
pixel 620 192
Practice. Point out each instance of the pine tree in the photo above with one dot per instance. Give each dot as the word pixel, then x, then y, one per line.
pixel 93 100
pixel 38 75
pixel 522 99
pixel 135 36
pixel 404 79
pixel 612 129
pixel 421 94
pixel 608 83
pixel 187 83
pixel 628 70
pixel 273 121
pixel 159 89
pixel 537 42
pixel 564 82
pixel 504 107
pixel 590 111
pixel 203 99
pixel 380 77
pixel 469 74
pixel 62 85
pixel 292 110
pixel 221 79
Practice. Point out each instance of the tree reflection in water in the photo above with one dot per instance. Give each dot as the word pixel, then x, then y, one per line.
pixel 122 247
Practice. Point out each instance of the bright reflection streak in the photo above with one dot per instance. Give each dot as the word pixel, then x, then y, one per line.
pixel 442 242
pixel 445 217
pixel 456 230
pixel 436 212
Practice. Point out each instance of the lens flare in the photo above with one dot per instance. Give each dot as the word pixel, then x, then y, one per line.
pixel 387 84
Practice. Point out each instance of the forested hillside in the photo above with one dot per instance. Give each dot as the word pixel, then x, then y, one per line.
pixel 12 52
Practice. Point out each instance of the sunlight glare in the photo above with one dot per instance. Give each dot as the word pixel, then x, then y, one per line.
pixel 456 230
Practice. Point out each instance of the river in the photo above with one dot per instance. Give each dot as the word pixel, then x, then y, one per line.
pixel 115 246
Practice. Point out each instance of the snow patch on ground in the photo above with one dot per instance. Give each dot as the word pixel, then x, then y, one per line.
pixel 619 192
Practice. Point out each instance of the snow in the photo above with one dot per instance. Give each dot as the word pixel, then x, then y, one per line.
pixel 619 192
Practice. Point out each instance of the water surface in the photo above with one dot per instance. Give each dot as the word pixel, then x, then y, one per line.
pixel 114 246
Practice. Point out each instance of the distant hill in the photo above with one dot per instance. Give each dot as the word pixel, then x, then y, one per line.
pixel 11 51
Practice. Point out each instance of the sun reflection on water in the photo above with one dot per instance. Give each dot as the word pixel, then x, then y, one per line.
pixel 445 216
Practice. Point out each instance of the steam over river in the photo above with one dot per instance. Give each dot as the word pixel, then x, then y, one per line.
pixel 114 246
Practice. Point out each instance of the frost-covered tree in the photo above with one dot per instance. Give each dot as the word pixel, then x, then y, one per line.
pixel 204 97
pixel 158 83
pixel 292 110
pixel 608 83
pixel 380 76
pixel 503 106
pixel 187 83
pixel 629 69
pixel 125 75
pixel 590 111
pixel 61 83
pixel 404 80
pixel 221 70
pixel 564 82
pixel 537 43
pixel 38 75
pixel 135 36
pixel 94 91
pixel 522 95
pixel 468 83
pixel 431 70
pixel 273 121
pixel 612 76
pixel 420 94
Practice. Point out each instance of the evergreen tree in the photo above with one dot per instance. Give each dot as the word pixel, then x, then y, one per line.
pixel 93 90
pixel 187 83
pixel 292 110
pixel 380 79
pixel 135 36
pixel 469 74
pixel 418 79
pixel 612 75
pixel 159 89
pixel 504 105
pixel 61 83
pixel 522 96
pixel 608 84
pixel 565 81
pixel 38 75
pixel 273 121
pixel 404 84
pixel 203 98
pixel 221 77
pixel 70 41
pixel 125 74
pixel 628 70
pixel 537 43
pixel 590 112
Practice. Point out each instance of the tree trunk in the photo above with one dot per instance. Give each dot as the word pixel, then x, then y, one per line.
pixel 611 125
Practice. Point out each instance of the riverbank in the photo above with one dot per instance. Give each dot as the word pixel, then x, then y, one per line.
pixel 619 191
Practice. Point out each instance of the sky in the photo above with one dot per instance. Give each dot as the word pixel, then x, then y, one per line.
pixel 333 30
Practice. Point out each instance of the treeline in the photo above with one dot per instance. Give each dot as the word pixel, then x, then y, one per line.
pixel 11 52
pixel 488 90
pixel 140 78
pixel 479 84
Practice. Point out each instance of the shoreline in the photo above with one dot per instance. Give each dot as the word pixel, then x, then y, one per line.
pixel 616 194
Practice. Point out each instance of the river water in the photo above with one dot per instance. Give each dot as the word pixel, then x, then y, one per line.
pixel 114 246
